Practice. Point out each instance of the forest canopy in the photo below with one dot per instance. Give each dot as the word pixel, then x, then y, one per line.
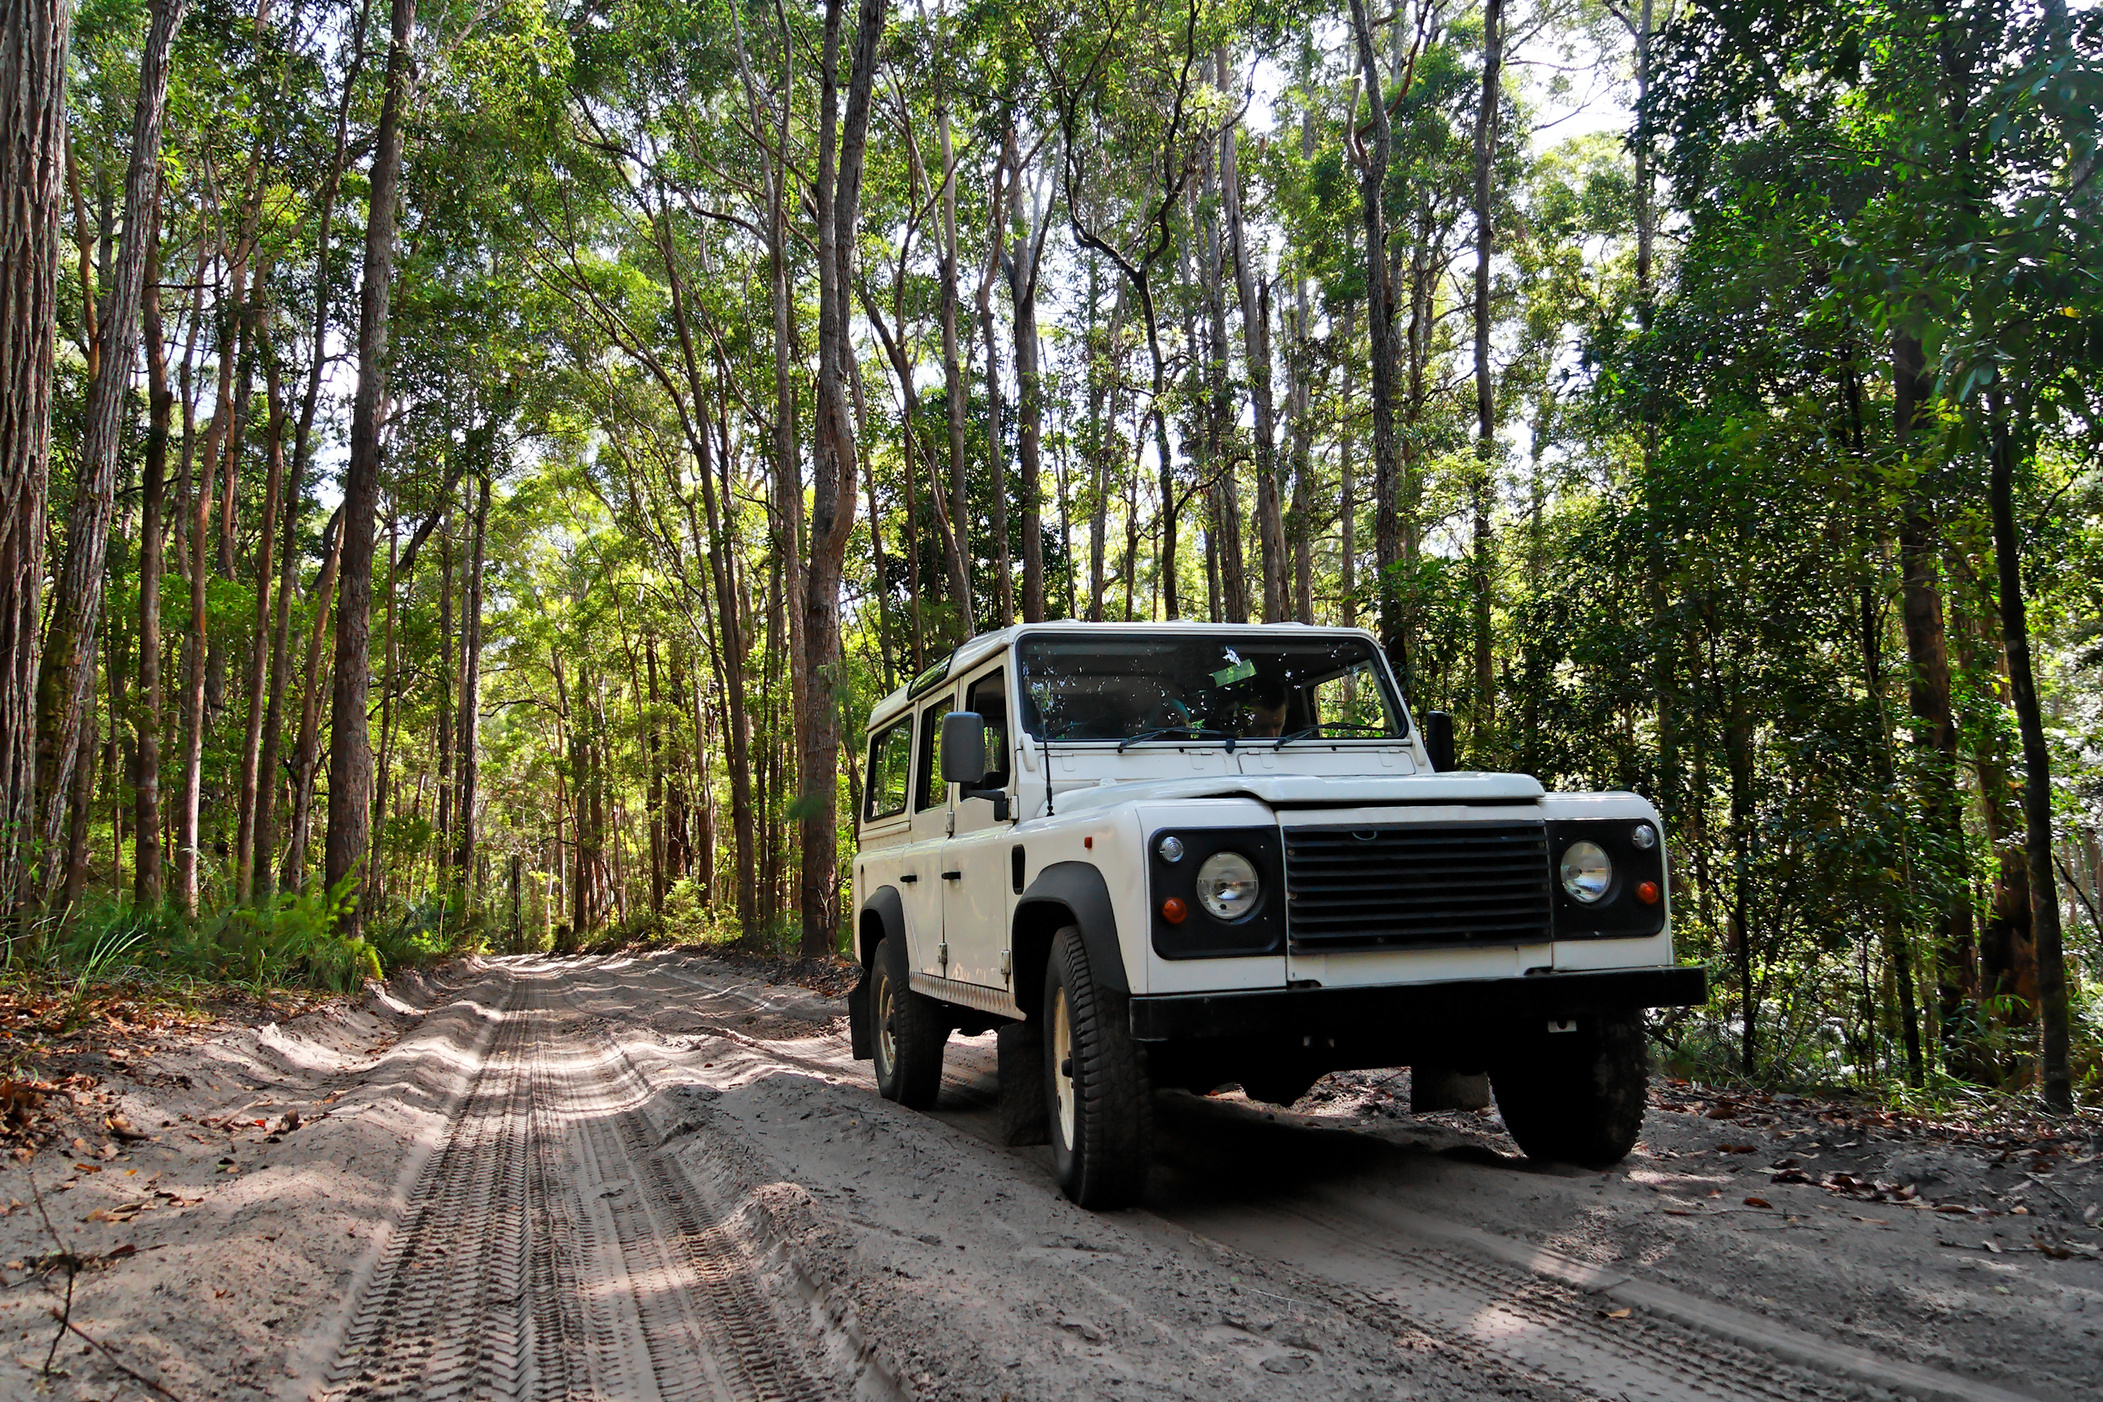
pixel 467 470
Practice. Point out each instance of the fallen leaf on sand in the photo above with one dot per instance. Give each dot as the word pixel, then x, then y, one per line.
pixel 1617 1314
pixel 1758 1202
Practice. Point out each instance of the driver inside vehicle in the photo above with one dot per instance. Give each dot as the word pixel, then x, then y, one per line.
pixel 1265 711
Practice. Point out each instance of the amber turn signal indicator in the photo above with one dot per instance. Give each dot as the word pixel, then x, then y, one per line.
pixel 1173 910
pixel 1647 892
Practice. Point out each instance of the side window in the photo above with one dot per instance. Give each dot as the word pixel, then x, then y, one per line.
pixel 933 792
pixel 890 765
pixel 1351 698
pixel 989 697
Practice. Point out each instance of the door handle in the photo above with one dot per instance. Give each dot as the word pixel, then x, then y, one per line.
pixel 952 876
pixel 909 877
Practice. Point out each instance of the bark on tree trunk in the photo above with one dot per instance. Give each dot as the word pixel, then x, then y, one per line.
pixel 66 681
pixel 443 720
pixel 350 747
pixel 471 695
pixel 996 468
pixel 1220 452
pixel 196 643
pixel 2037 769
pixel 1380 331
pixel 1022 269
pixel 153 491
pixel 833 487
pixel 307 750
pixel 1928 696
pixel 1256 352
pixel 33 42
pixel 252 740
pixel 953 385
pixel 1482 490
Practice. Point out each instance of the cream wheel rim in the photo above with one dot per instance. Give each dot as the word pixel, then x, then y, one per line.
pixel 886 1039
pixel 1062 1064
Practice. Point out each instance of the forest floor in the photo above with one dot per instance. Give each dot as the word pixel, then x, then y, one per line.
pixel 663 1176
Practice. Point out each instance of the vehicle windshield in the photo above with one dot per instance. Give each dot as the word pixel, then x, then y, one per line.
pixel 1174 688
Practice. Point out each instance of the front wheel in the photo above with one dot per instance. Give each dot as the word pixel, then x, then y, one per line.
pixel 1576 1096
pixel 910 1032
pixel 1098 1096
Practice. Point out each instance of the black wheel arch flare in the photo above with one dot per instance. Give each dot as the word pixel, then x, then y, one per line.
pixel 882 917
pixel 1065 893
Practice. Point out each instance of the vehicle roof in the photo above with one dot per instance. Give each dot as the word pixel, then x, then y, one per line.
pixel 967 655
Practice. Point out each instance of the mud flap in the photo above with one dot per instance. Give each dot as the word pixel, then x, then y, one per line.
pixel 1024 1114
pixel 858 1031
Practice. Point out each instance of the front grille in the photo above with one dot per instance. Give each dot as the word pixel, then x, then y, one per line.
pixel 1416 884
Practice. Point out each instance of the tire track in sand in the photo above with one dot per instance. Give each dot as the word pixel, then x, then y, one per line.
pixel 549 1251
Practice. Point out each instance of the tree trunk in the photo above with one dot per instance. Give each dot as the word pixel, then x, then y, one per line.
pixel 259 652
pixel 66 681
pixel 953 384
pixel 350 747
pixel 1928 696
pixel 196 643
pixel 1256 352
pixel 1022 268
pixel 2037 769
pixel 1219 420
pixel 443 677
pixel 1483 488
pixel 307 750
pixel 1380 331
pixel 2007 956
pixel 653 739
pixel 153 491
pixel 33 42
pixel 471 696
pixel 833 486
pixel 996 468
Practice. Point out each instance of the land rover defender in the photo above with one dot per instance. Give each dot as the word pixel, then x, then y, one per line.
pixel 1190 855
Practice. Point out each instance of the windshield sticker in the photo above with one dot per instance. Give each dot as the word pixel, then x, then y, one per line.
pixel 1236 671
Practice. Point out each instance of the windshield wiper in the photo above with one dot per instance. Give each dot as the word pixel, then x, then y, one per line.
pixel 1195 732
pixel 1304 731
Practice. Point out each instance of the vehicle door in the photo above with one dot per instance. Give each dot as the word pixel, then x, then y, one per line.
pixel 920 862
pixel 976 867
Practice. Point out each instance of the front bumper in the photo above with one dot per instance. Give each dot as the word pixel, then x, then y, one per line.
pixel 1422 1008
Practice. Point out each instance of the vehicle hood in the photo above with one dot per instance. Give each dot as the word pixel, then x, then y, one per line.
pixel 1315 790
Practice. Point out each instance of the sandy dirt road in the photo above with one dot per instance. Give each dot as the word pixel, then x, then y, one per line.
pixel 659 1177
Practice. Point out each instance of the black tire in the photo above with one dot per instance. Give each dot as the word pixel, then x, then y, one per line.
pixel 1575 1097
pixel 910 1032
pixel 1099 1100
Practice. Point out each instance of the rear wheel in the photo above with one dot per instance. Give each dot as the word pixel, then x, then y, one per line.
pixel 1098 1096
pixel 1577 1096
pixel 910 1032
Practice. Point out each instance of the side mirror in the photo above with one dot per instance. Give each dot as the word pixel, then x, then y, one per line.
pixel 1438 739
pixel 964 748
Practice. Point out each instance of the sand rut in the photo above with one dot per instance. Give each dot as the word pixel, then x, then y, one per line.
pixel 550 1251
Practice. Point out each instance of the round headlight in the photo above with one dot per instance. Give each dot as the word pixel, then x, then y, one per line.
pixel 1586 872
pixel 1645 836
pixel 1227 886
pixel 1170 848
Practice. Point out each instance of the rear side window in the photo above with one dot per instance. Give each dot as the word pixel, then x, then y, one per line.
pixel 890 769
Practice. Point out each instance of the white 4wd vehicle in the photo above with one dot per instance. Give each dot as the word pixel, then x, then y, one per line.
pixel 1184 855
